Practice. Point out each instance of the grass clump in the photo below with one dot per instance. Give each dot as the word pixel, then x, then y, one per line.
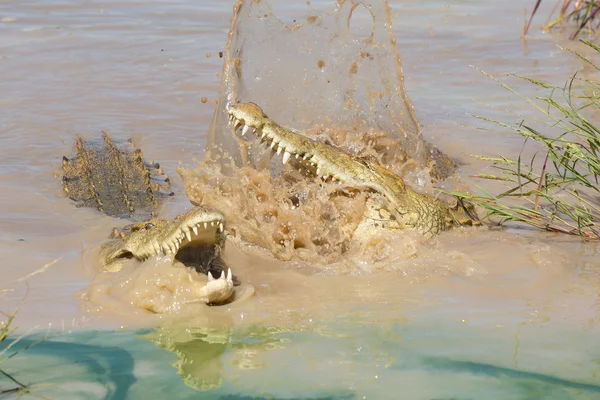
pixel 7 351
pixel 583 14
pixel 557 188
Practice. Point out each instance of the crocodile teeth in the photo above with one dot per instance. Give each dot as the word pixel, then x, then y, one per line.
pixel 212 223
pixel 273 144
pixel 210 276
pixel 286 157
pixel 279 150
pixel 156 248
pixel 297 155
pixel 206 225
pixel 195 229
pixel 221 227
pixel 229 276
pixel 165 249
pixel 188 236
pixel 318 171
pixel 263 135
pixel 245 129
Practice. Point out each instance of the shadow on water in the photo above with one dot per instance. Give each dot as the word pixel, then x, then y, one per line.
pixel 335 397
pixel 111 366
pixel 493 371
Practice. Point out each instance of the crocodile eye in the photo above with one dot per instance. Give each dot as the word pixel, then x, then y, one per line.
pixel 149 225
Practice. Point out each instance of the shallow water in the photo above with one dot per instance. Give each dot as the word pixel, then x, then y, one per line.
pixel 471 314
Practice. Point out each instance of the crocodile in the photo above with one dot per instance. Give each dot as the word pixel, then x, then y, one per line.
pixel 402 208
pixel 118 182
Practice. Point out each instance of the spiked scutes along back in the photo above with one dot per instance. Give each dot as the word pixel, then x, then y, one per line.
pixel 115 179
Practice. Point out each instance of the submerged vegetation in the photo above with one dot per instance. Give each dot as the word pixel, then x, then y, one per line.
pixel 557 188
pixel 584 15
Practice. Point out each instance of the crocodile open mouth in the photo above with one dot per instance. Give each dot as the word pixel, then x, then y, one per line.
pixel 304 150
pixel 195 239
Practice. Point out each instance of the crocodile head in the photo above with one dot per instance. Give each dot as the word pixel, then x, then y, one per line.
pixel 393 204
pixel 195 239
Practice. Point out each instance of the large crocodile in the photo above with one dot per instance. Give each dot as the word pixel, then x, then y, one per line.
pixel 195 238
pixel 404 207
pixel 116 180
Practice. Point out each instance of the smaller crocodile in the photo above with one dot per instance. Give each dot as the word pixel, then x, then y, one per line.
pixel 403 209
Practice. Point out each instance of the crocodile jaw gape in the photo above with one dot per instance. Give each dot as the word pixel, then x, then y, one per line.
pixel 325 161
pixel 195 238
pixel 200 228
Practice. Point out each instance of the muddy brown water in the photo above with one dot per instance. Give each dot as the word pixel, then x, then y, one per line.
pixel 152 70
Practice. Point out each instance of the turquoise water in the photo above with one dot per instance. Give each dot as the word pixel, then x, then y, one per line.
pixel 342 360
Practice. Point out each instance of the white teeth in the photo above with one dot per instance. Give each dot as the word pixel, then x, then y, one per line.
pixel 286 157
pixel 222 274
pixel 245 129
pixel 195 229
pixel 305 157
pixel 325 177
pixel 188 236
pixel 279 150
pixel 297 155
pixel 212 223
pixel 210 277
pixel 205 225
pixel 263 135
pixel 319 171
pixel 221 227
pixel 273 144
pixel 229 276
pixel 157 248
pixel 165 249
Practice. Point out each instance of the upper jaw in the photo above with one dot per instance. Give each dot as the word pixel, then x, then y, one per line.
pixel 199 224
pixel 286 143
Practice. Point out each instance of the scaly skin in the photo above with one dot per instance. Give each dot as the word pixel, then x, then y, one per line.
pixel 195 238
pixel 407 209
pixel 114 178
